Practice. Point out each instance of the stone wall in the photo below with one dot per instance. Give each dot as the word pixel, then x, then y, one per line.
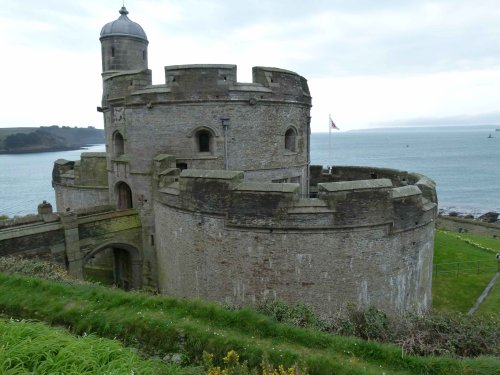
pixel 457 224
pixel 40 239
pixel 81 184
pixel 225 239
pixel 167 118
pixel 71 238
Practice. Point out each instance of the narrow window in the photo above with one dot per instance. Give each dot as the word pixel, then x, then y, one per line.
pixel 182 166
pixel 112 51
pixel 118 144
pixel 144 55
pixel 203 141
pixel 290 140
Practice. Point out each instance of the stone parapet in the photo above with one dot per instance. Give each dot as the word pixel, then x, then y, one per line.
pixel 208 82
pixel 342 204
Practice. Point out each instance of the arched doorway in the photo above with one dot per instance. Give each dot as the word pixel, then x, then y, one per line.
pixel 114 264
pixel 124 195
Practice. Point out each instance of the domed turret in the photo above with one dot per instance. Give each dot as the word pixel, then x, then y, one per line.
pixel 124 45
pixel 123 26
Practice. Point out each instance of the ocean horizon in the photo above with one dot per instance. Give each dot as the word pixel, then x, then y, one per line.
pixel 463 161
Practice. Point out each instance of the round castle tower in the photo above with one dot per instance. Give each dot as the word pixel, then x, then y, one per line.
pixel 219 173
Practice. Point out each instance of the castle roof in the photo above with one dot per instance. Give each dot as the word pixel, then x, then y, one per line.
pixel 123 26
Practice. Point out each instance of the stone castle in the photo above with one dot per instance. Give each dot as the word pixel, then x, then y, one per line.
pixel 229 208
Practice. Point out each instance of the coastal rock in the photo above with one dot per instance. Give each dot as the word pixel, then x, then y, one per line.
pixel 489 217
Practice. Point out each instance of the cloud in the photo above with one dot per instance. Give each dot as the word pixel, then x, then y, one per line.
pixel 365 101
pixel 367 62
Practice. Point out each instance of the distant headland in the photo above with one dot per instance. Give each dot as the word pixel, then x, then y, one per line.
pixel 48 138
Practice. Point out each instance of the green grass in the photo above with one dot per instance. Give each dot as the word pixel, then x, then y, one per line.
pixel 458 293
pixel 100 275
pixel 35 348
pixel 491 305
pixel 449 248
pixel 489 242
pixel 166 325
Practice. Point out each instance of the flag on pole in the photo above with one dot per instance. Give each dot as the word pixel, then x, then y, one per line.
pixel 332 124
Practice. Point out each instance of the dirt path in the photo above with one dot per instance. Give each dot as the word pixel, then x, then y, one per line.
pixel 483 295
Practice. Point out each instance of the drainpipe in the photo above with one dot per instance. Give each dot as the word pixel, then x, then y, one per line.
pixel 225 125
pixel 308 172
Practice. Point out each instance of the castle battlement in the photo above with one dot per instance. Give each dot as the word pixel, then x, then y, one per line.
pixel 195 82
pixel 341 204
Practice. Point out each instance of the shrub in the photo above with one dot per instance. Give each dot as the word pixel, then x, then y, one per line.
pixel 232 366
pixel 433 334
pixel 34 267
pixel 447 334
pixel 300 314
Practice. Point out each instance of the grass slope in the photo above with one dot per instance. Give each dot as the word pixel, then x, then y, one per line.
pixel 170 325
pixel 35 348
pixel 458 293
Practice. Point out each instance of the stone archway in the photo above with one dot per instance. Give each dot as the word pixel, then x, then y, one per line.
pixel 122 261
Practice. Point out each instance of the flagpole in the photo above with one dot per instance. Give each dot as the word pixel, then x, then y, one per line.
pixel 329 140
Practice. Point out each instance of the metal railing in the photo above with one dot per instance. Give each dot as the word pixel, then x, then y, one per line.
pixel 474 266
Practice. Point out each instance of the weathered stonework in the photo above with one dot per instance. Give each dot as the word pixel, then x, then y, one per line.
pixel 229 207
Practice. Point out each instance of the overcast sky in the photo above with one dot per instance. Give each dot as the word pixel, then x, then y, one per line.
pixel 368 63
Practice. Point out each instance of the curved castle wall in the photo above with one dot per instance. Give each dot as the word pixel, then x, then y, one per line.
pixel 365 241
pixel 81 184
pixel 168 118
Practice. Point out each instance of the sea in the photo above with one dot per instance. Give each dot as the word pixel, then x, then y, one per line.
pixel 463 161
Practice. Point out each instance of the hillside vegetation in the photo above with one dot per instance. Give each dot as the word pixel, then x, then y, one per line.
pixel 195 333
pixel 48 138
pixel 163 325
pixel 35 348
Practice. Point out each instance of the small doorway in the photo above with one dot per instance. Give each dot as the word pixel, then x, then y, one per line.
pixel 124 196
pixel 122 269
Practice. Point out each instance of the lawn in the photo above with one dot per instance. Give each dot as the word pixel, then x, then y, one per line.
pixel 492 304
pixel 457 292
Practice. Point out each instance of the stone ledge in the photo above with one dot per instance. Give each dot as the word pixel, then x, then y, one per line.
pixel 405 191
pixel 93 155
pixel 355 185
pixel 212 174
pixel 268 187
